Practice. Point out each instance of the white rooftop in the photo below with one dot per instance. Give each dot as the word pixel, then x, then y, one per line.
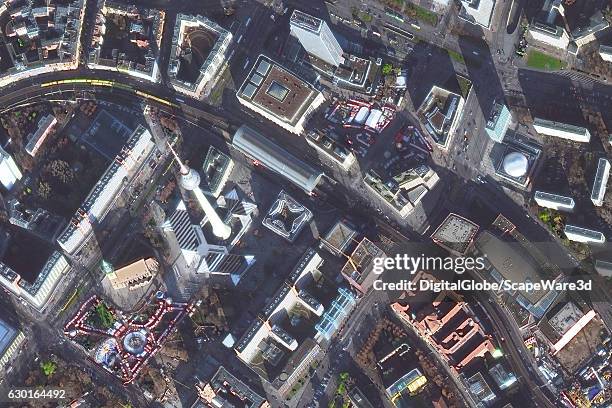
pixel 516 164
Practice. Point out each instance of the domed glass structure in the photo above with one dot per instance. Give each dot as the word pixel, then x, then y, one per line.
pixel 516 164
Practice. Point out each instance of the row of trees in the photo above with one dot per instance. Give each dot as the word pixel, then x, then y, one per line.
pixel 365 356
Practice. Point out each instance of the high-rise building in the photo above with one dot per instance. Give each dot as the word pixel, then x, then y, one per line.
pixel 554 201
pixel 197 55
pixel 10 341
pixel 562 130
pixel 279 95
pixel 196 251
pixel 9 172
pixel 190 181
pixel 478 11
pixel 316 37
pixel 601 181
pixel 579 234
pixel 203 248
pixel 605 52
pixel 498 122
pixel 119 174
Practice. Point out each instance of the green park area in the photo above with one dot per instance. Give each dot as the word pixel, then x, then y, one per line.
pixel 456 56
pixel 422 14
pixel 413 11
pixel 554 220
pixel 539 60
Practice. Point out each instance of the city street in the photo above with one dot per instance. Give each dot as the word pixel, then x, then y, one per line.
pixel 433 57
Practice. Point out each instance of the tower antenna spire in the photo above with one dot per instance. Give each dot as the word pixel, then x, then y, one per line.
pixel 183 167
pixel 190 181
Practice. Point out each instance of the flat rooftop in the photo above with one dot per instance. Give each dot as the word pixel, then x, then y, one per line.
pixel 455 232
pixel 581 347
pixel 398 370
pixel 512 262
pixel 363 258
pixel 604 268
pixel 551 124
pixel 276 90
pixel 439 112
pixel 201 41
pixel 601 178
pixel 565 318
pixel 478 11
pixel 554 197
pixel 216 167
pixel 287 217
pixel 7 335
pixel 585 16
pixel 585 232
pixel 233 391
pixel 494 115
pixel 339 238
pixel 25 253
pixel 305 21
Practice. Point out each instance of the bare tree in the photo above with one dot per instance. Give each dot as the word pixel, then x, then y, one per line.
pixel 61 170
pixel 44 190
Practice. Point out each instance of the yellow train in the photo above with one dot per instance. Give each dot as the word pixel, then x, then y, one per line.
pixel 112 84
pixel 155 98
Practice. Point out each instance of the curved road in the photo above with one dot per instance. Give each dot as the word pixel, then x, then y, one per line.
pixel 30 91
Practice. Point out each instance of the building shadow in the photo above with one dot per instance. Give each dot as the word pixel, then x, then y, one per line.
pixel 551 97
pixel 481 70
pixel 429 66
pixel 212 7
pixel 515 19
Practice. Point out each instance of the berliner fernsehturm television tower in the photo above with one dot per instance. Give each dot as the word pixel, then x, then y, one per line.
pixel 190 180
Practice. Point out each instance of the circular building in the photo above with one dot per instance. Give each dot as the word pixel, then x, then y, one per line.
pixel 515 164
pixel 135 342
pixel 106 352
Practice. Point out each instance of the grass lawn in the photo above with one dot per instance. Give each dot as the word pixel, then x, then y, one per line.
pixel 465 85
pixel 539 60
pixel 456 56
pixel 365 17
pixel 422 14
